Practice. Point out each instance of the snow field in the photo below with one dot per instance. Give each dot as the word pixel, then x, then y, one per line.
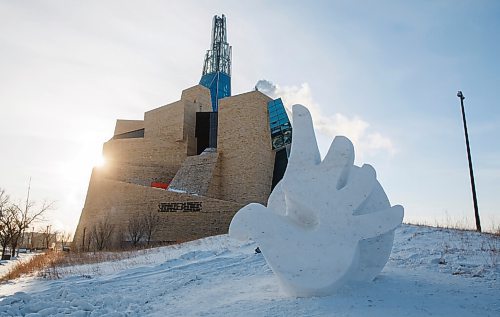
pixel 431 272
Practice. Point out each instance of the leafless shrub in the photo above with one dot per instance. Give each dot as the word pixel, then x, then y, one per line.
pixel 100 235
pixel 151 220
pixel 136 230
pixel 142 228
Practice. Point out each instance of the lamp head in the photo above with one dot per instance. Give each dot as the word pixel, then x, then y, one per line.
pixel 460 95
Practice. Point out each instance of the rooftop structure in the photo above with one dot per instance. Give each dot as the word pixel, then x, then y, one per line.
pixel 216 74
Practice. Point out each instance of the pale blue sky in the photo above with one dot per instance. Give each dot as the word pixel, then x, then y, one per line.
pixel 385 73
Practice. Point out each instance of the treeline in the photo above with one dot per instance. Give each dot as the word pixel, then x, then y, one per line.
pixel 103 235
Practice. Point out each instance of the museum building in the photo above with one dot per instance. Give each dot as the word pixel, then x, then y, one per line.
pixel 194 162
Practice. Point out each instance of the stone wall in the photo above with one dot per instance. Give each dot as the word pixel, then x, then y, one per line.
pixel 123 126
pixel 245 150
pixel 168 140
pixel 118 203
pixel 140 174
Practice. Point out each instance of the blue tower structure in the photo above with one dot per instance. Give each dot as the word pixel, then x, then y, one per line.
pixel 216 74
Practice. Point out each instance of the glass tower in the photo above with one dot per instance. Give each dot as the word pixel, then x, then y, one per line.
pixel 281 137
pixel 281 129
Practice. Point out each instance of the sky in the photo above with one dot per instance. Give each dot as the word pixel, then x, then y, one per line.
pixel 383 73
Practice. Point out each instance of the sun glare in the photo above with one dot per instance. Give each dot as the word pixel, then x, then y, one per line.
pixel 99 161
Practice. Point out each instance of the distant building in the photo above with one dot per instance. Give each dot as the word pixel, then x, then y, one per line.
pixel 194 162
pixel 38 241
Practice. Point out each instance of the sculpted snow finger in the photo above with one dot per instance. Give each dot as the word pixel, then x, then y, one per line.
pixel 328 224
pixel 379 222
pixel 357 190
pixel 305 151
pixel 338 160
pixel 255 221
pixel 245 222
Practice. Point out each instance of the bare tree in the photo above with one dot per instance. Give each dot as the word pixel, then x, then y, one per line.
pixel 47 235
pixel 24 216
pixel 14 219
pixel 151 220
pixel 100 234
pixel 6 230
pixel 6 221
pixel 136 230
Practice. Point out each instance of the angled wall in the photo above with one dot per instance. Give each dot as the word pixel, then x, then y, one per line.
pixel 120 202
pixel 244 144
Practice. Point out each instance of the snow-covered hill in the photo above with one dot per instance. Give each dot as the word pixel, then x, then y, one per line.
pixel 431 272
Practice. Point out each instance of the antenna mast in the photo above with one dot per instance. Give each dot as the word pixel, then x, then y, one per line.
pixel 216 74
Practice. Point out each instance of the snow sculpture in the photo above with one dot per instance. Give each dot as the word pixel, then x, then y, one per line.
pixel 327 223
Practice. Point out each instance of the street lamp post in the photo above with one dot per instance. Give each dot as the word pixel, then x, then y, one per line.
pixel 472 183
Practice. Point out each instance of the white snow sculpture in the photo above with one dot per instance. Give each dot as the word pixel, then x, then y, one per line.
pixel 327 223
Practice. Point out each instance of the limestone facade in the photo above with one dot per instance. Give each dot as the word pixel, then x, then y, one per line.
pixel 205 190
